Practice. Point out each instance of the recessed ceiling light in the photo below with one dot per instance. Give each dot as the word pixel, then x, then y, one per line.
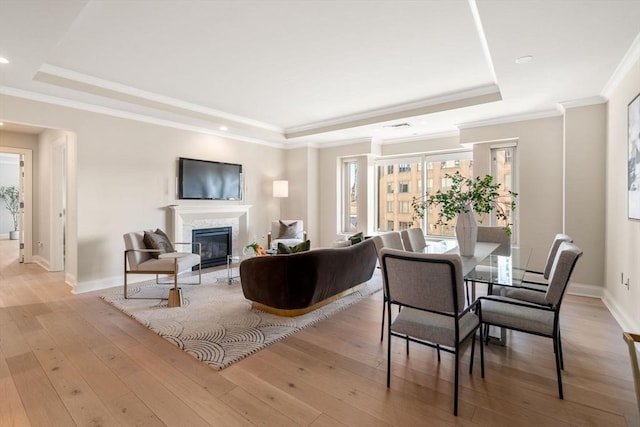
pixel 1 124
pixel 223 128
pixel 3 60
pixel 524 59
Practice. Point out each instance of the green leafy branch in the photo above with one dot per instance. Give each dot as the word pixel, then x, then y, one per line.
pixel 480 194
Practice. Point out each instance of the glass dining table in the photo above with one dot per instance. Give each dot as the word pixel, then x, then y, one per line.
pixel 491 264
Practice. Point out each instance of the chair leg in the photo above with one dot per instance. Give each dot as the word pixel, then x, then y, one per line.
pixel 455 392
pixel 473 351
pixel 560 350
pixel 558 362
pixel 407 340
pixel 384 309
pixel 389 348
pixel 481 353
pixel 438 351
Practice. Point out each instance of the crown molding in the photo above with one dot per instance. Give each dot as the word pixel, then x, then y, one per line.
pixel 628 60
pixel 47 99
pixel 511 119
pixel 81 82
pixel 451 101
pixel 584 102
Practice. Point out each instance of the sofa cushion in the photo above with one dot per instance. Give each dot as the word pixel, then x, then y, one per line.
pixel 288 231
pixel 300 247
pixel 157 240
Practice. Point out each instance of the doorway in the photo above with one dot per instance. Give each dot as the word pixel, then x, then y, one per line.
pixel 22 166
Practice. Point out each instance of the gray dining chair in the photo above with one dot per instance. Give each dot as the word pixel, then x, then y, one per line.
pixel 391 240
pixel 543 318
pixel 540 279
pixel 430 290
pixel 413 239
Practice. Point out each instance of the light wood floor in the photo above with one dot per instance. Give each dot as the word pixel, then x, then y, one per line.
pixel 70 360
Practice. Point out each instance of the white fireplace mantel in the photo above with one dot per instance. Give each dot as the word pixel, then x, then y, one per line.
pixel 186 218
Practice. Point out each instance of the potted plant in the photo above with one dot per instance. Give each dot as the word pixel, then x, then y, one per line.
pixel 11 198
pixel 464 197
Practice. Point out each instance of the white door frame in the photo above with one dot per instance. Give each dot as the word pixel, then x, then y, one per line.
pixel 58 203
pixel 26 233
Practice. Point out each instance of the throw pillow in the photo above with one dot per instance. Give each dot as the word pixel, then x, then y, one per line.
pixel 300 247
pixel 157 240
pixel 288 231
pixel 356 238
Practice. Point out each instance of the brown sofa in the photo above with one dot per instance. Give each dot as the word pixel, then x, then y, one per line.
pixel 291 285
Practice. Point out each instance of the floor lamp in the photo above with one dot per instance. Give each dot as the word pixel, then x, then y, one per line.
pixel 281 190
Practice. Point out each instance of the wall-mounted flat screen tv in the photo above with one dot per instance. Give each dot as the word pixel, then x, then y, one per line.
pixel 207 180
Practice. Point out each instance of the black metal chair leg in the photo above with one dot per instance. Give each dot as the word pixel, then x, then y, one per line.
pixel 558 370
pixel 455 392
pixel 384 309
pixel 473 351
pixel 560 350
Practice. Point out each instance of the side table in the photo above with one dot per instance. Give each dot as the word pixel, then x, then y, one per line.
pixel 233 260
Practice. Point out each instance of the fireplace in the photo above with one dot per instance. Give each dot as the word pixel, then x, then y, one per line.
pixel 216 245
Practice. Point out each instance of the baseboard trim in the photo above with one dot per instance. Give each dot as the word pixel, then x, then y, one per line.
pixel 625 322
pixel 584 290
pixel 41 262
pixel 96 285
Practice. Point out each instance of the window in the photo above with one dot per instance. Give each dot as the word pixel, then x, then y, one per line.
pixel 350 196
pixel 390 169
pixel 403 225
pixel 417 171
pixel 389 207
pixel 393 195
pixel 503 168
pixel 437 166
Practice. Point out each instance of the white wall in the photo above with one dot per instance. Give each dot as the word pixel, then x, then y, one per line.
pixel 302 203
pixel 539 164
pixel 559 177
pixel 125 178
pixel 584 189
pixel 622 235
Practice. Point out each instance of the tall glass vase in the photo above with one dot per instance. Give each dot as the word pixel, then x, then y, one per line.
pixel 466 232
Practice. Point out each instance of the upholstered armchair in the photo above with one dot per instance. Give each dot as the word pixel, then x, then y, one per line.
pixel 139 259
pixel 289 232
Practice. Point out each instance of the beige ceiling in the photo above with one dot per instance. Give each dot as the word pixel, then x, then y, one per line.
pixel 316 71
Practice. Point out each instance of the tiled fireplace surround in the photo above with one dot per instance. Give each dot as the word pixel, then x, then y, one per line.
pixel 186 218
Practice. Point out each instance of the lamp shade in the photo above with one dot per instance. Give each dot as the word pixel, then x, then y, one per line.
pixel 281 188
